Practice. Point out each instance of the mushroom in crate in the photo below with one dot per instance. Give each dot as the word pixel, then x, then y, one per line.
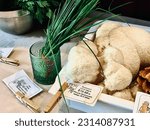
pixel 121 51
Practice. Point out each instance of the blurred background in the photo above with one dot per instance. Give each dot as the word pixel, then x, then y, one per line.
pixel 137 9
pixel 8 5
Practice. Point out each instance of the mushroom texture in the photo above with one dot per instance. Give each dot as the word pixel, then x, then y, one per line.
pixel 124 94
pixel 131 58
pixel 82 66
pixel 141 40
pixel 117 39
pixel 117 76
pixel 125 41
pixel 90 44
pixel 121 50
pixel 106 28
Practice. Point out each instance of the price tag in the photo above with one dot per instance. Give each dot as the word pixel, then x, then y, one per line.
pixel 22 83
pixel 142 103
pixel 83 93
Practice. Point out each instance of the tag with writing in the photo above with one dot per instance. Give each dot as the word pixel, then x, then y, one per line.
pixel 83 93
pixel 142 103
pixel 5 52
pixel 22 83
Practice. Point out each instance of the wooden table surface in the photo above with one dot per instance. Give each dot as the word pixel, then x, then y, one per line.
pixel 8 101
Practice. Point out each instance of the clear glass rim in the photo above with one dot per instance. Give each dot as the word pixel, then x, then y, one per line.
pixel 42 42
pixel 31 48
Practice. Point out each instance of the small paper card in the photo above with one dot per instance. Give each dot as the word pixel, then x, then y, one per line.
pixel 5 52
pixel 84 93
pixel 22 83
pixel 142 103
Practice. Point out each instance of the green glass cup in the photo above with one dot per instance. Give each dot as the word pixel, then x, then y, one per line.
pixel 44 70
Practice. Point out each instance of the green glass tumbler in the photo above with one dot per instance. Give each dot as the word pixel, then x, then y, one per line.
pixel 44 70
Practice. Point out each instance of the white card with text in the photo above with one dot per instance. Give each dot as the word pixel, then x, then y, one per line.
pixel 5 52
pixel 142 103
pixel 83 93
pixel 22 83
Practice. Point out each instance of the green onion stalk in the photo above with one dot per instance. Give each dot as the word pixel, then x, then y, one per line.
pixel 68 22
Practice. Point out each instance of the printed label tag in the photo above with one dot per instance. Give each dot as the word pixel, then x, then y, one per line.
pixel 142 103
pixel 84 93
pixel 22 83
pixel 5 52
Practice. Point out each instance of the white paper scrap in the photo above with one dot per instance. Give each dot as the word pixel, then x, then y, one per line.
pixel 142 103
pixel 22 83
pixel 5 52
pixel 83 93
